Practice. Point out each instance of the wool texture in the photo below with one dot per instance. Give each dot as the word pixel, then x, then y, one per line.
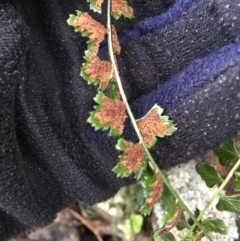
pixel 151 24
pixel 187 82
pixel 186 58
pixel 156 57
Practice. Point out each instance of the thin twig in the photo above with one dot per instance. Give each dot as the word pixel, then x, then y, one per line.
pixel 89 224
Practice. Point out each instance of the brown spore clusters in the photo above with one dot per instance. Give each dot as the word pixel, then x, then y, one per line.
pixel 95 30
pixel 152 125
pixel 112 113
pixel 133 157
pixel 120 7
pixel 100 70
pixel 155 192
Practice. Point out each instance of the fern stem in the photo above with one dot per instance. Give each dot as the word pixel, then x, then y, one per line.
pixel 215 195
pixel 134 123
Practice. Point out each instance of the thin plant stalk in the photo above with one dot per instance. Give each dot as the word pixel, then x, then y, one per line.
pixel 124 98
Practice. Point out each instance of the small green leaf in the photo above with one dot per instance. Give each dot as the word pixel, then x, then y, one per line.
pixel 154 125
pixel 173 212
pixel 121 8
pixel 229 203
pixel 236 184
pixel 172 222
pixel 120 144
pixel 144 210
pixel 94 7
pixel 170 202
pixel 115 112
pixel 215 225
pixel 227 153
pixel 120 171
pixel 147 179
pixel 209 174
pixel 72 17
pixel 133 225
pixel 92 120
pixel 182 224
pixel 85 65
pixel 136 221
pixel 131 161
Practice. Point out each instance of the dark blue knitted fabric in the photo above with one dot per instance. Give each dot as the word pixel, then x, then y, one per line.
pixel 152 24
pixel 198 74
